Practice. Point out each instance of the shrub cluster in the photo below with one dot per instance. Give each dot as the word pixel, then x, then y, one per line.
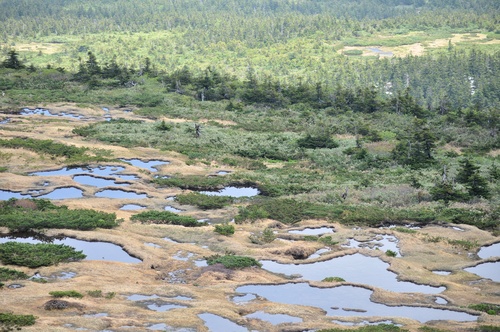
pixel 21 216
pixel 233 261
pixel 9 274
pixel 166 217
pixel 70 293
pixel 36 255
pixel 10 322
pixel 224 229
pixel 44 146
pixel 204 202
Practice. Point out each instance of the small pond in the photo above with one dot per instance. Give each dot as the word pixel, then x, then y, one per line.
pixel 5 195
pixel 165 327
pixel 5 121
pixel 489 251
pixel 345 301
pixel 313 231
pixel 222 172
pixel 440 300
pixel 354 268
pixel 40 111
pixel 132 207
pixel 319 252
pixel 440 272
pixel 234 192
pixel 99 171
pixel 95 181
pixel 364 322
pixel 63 193
pixel 172 209
pixel 117 193
pixel 490 270
pixel 150 165
pixel 244 298
pixel 93 250
pixel 274 319
pixel 381 242
pixel 217 323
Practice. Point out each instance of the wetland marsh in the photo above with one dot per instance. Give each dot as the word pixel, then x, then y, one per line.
pixel 189 294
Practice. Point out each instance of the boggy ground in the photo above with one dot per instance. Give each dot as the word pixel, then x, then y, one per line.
pixel 168 269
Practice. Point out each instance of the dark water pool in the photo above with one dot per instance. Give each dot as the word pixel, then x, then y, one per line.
pixel 5 195
pixel 95 181
pixel 217 323
pixel 489 270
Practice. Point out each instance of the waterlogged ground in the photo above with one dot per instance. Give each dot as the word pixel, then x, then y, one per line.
pixel 168 285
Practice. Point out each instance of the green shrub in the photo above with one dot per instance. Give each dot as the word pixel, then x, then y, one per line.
pixel 233 261
pixel 36 255
pixel 98 293
pixel 327 240
pixel 333 279
pixel 70 293
pixel 224 229
pixel 317 142
pixel 95 293
pixel 9 321
pixel 391 253
pixel 288 211
pixel 166 217
pixel 9 274
pixel 265 236
pixel 204 202
pixel 466 244
pixel 44 146
pixel 29 214
pixel 490 309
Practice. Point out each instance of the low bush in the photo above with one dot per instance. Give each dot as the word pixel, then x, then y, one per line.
pixel 490 309
pixel 233 261
pixel 266 236
pixel 23 215
pixel 10 322
pixel 166 217
pixel 9 274
pixel 391 253
pixel 288 211
pixel 70 293
pixel 333 279
pixel 204 202
pixel 36 255
pixel 224 229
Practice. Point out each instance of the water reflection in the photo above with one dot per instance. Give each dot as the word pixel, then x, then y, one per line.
pixel 63 193
pixel 347 301
pixel 490 270
pixel 150 165
pixel 384 242
pixel 313 231
pixel 355 268
pixel 5 195
pixel 274 318
pixel 40 111
pixel 489 251
pixel 217 323
pixel 95 181
pixel 117 193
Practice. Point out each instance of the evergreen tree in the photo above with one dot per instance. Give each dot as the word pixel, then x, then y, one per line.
pixel 469 176
pixel 13 61
pixel 416 148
